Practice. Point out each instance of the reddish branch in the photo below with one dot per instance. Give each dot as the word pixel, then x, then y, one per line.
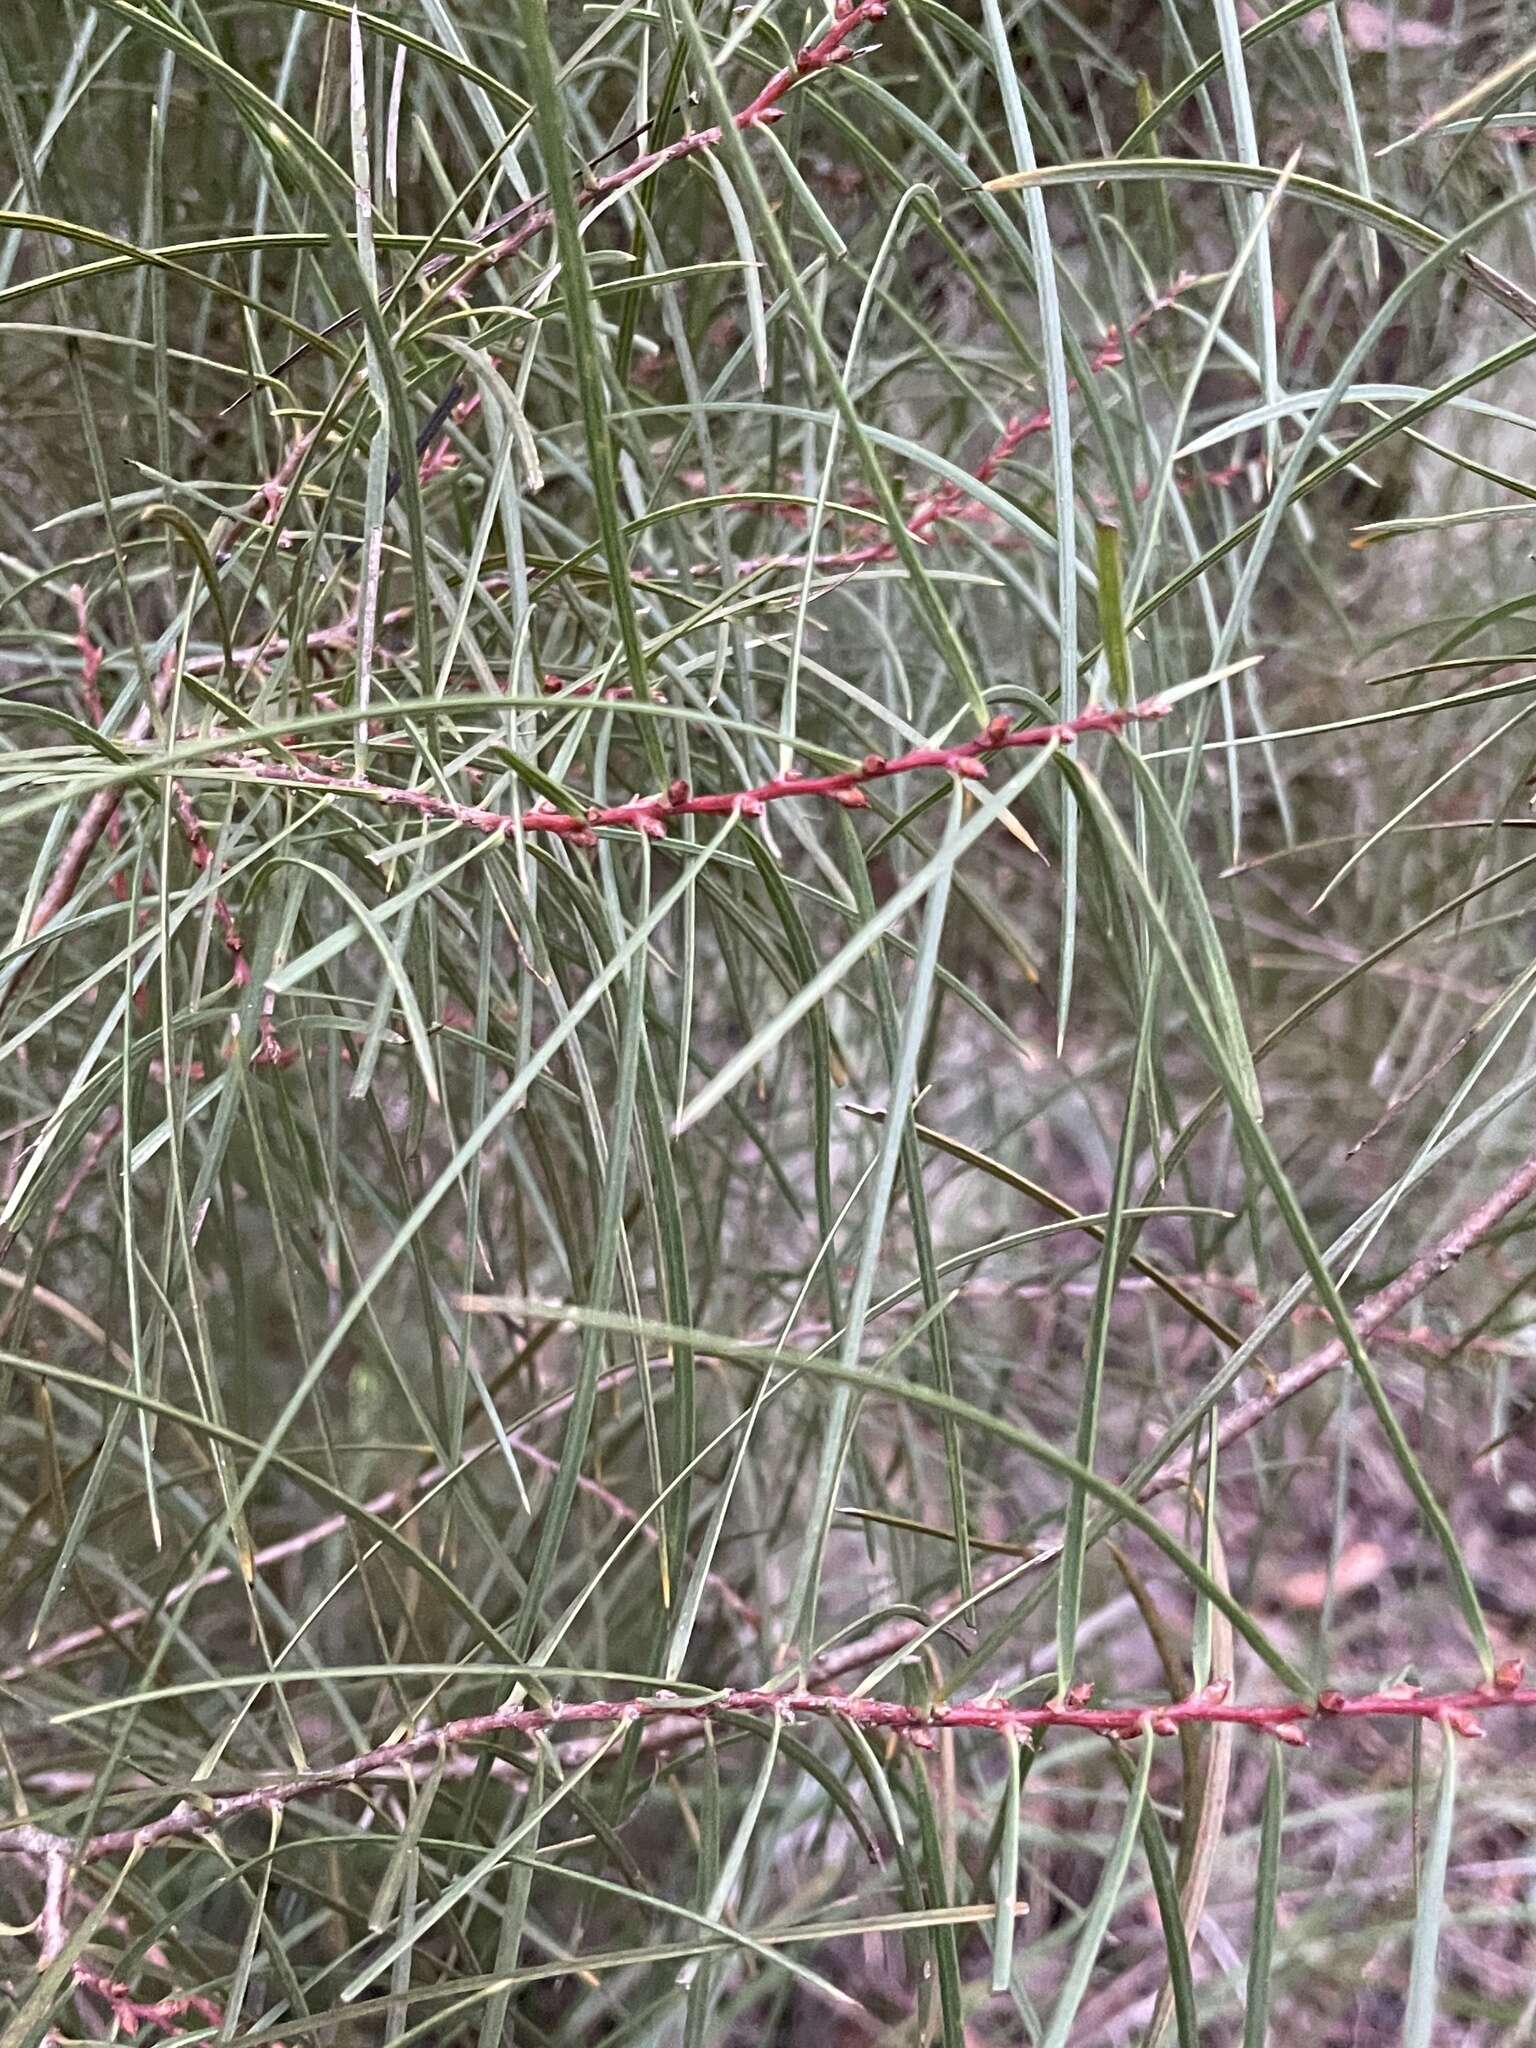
pixel 202 859
pixel 650 814
pixel 100 818
pixel 1372 1315
pixel 98 813
pixel 92 655
pixel 64 1208
pixel 669 1717
pixel 827 51
pixel 532 218
pixel 613 693
pixel 337 639
pixel 947 501
pixel 130 2013
pixel 269 1050
pixel 960 511
pixel 951 502
pixel 526 222
pixel 1372 1319
pixel 273 493
pixel 440 455
pixel 176 2013
pixel 1288 1719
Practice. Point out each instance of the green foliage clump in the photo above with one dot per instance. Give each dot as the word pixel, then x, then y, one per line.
pixel 766 1038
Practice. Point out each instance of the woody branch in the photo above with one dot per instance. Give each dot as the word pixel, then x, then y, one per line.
pixel 651 814
pixel 1288 1719
pixel 824 53
pixel 1373 1314
pixel 532 218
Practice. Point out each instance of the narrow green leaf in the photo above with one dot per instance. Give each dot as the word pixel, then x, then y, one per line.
pixel 1005 1926
pixel 1266 1892
pixel 1096 1920
pixel 1421 2005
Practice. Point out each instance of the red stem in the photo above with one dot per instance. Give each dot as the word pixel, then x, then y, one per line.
pixel 99 812
pixel 1372 1315
pixel 1287 1719
pixel 269 1051
pixel 649 814
pixel 130 2013
pixel 828 50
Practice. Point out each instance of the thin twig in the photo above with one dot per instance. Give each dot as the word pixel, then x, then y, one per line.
pixel 130 2013
pixel 532 218
pixel 824 53
pixel 1288 1719
pixel 269 1049
pixel 650 814
pixel 99 812
pixel 1375 1311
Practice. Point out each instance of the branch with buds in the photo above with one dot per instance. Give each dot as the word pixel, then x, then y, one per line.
pixel 1371 1317
pixel 824 53
pixel 129 2014
pixel 651 814
pixel 512 232
pixel 1289 1720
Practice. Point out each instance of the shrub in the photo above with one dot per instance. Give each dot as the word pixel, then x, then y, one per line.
pixel 766 1034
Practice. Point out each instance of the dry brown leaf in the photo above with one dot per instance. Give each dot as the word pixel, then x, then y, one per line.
pixel 1358 1564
